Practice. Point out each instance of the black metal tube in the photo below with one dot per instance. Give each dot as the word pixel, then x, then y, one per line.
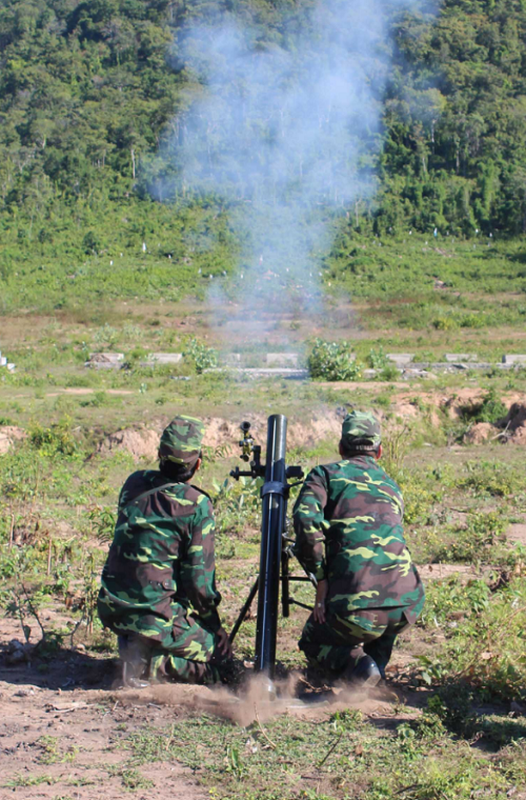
pixel 285 588
pixel 242 614
pixel 274 512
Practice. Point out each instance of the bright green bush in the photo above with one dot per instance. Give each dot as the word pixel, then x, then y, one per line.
pixel 201 356
pixel 333 361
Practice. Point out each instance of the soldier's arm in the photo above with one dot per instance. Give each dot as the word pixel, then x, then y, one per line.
pixel 309 523
pixel 198 567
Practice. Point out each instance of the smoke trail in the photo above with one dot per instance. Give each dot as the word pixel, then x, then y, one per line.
pixel 287 134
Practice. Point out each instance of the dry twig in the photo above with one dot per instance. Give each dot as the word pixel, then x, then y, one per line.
pixel 262 729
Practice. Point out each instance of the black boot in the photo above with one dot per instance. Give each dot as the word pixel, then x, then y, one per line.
pixel 135 658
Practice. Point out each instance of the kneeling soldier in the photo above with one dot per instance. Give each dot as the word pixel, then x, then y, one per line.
pixel 158 589
pixel 348 523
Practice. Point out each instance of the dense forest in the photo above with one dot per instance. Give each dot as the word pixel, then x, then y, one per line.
pixel 89 90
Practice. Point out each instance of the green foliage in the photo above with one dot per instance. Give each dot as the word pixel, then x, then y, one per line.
pixel 74 203
pixel 237 505
pixel 481 647
pixel 54 440
pixel 377 359
pixel 494 478
pixel 489 409
pixel 201 356
pixel 333 361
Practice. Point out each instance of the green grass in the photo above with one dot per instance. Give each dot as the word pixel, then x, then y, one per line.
pixel 467 651
pixel 341 756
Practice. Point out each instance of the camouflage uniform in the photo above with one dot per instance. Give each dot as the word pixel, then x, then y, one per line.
pixel 348 523
pixel 161 564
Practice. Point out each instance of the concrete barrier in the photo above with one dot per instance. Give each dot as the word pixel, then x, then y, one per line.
pixel 514 359
pixel 105 360
pixel 282 359
pixel 400 358
pixel 460 357
pixel 165 358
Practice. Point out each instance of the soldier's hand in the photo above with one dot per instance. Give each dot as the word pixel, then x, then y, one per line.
pixel 321 599
pixel 223 645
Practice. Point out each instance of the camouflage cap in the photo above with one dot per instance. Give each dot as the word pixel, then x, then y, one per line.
pixel 181 441
pixel 361 431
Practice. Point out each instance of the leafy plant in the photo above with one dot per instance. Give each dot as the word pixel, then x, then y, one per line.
pixel 200 355
pixel 377 359
pixel 333 361
pixel 57 438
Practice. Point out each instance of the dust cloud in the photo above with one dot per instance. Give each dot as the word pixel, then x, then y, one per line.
pixel 253 703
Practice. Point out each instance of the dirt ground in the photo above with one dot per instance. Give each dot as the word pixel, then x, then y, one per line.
pixel 64 722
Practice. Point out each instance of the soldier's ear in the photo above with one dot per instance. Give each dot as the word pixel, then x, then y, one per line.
pixel 379 452
pixel 198 465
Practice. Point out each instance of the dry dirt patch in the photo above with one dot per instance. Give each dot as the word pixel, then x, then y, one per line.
pixel 85 729
pixel 9 434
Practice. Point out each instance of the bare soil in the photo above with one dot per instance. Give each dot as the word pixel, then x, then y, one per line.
pixel 66 718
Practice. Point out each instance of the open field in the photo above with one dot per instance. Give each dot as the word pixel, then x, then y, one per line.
pixel 451 721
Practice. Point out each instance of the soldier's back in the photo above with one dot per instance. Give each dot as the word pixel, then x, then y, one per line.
pixel 369 565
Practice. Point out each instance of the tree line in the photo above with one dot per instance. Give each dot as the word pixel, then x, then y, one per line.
pixel 90 90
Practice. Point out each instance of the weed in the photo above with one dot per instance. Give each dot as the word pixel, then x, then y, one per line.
pixel 377 359
pixel 29 780
pixel 490 478
pixel 52 752
pixel 333 361
pixel 201 356
pixel 481 648
pixel 56 439
pixel 489 409
pixel 131 778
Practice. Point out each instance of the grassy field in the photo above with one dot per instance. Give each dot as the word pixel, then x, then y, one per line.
pixel 450 723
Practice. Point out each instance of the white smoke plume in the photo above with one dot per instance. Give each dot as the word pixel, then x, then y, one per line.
pixel 286 134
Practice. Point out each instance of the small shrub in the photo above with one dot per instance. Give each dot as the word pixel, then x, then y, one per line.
pixel 472 321
pixel 55 439
pixel 489 477
pixel 377 359
pixel 203 357
pixel 333 361
pixel 389 373
pixel 492 409
pixel 445 324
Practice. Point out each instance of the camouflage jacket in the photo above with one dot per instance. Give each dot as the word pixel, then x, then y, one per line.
pixel 161 560
pixel 348 523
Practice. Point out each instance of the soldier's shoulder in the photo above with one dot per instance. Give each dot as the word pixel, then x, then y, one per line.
pixel 333 468
pixel 194 493
pixel 386 478
pixel 200 491
pixel 140 481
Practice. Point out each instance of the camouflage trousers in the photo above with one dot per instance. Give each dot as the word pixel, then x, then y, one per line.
pixel 330 646
pixel 190 656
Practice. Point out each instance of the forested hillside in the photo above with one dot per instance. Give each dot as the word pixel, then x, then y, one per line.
pixel 88 91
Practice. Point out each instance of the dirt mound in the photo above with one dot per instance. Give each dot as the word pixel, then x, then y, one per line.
pixel 308 433
pixel 9 434
pixel 515 422
pixel 456 404
pixel 480 432
pixel 325 425
pixel 142 443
